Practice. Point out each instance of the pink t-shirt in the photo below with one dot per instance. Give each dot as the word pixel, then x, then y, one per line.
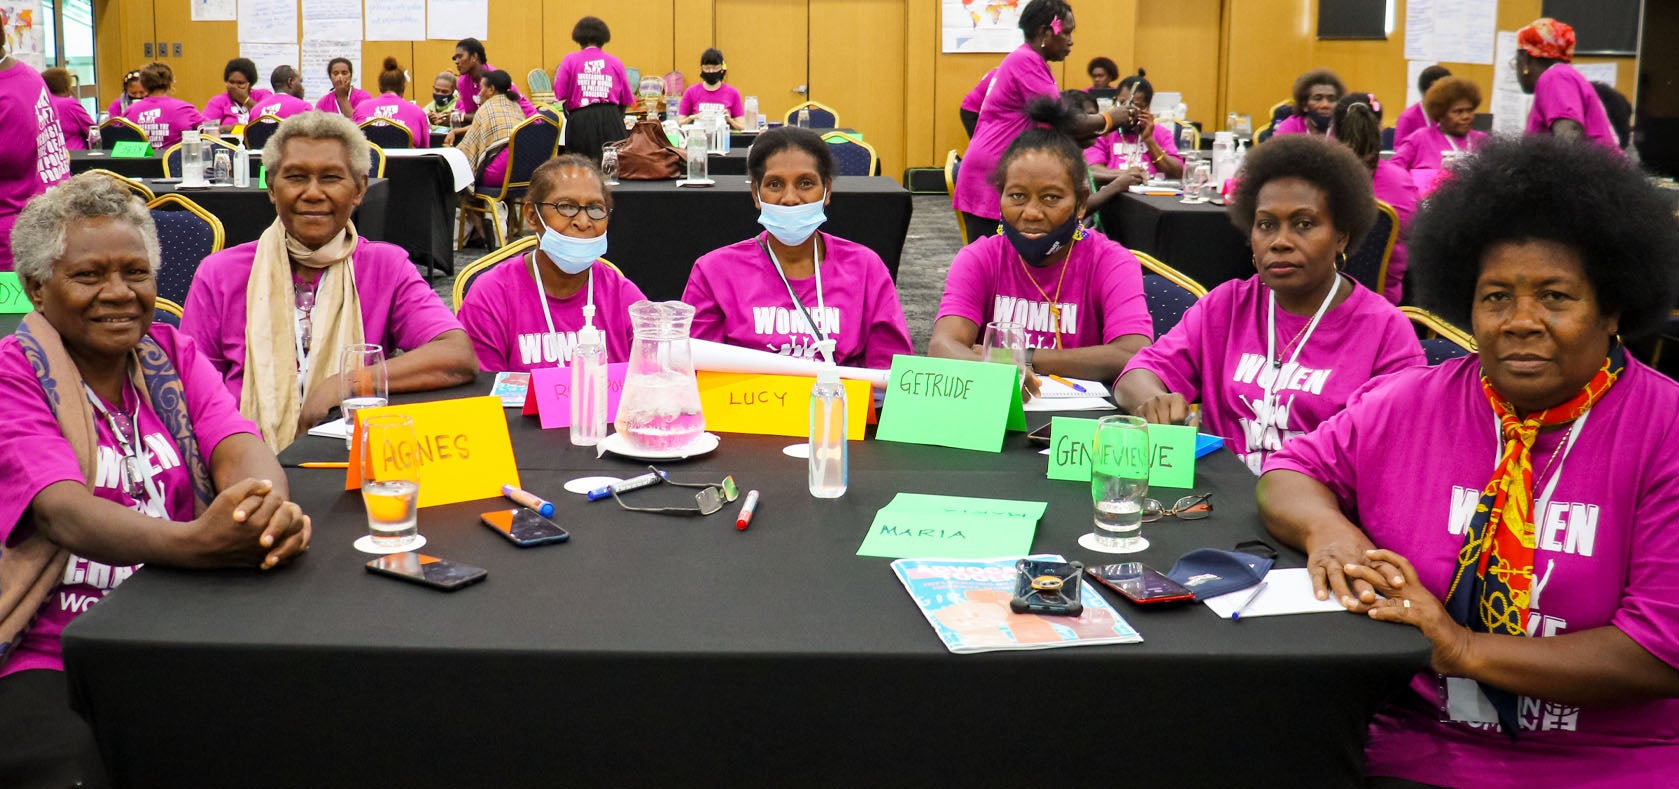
pixel 396 108
pixel 282 106
pixel 35 454
pixel 329 102
pixel 117 107
pixel 163 118
pixel 1293 124
pixel 1606 554
pixel 976 97
pixel 221 109
pixel 738 299
pixel 504 318
pixel 1099 289
pixel 591 76
pixel 1563 93
pixel 1105 151
pixel 398 309
pixel 1393 185
pixel 468 91
pixel 1423 154
pixel 1021 77
pixel 73 120
pixel 1216 356
pixel 696 98
pixel 1412 119
pixel 36 157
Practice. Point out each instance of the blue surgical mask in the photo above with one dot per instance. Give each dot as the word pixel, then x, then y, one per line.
pixel 792 224
pixel 572 255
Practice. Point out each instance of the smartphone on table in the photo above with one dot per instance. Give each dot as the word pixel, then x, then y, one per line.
pixel 524 527
pixel 1140 583
pixel 1047 587
pixel 427 570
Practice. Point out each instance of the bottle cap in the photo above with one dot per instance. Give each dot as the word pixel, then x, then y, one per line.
pixel 588 335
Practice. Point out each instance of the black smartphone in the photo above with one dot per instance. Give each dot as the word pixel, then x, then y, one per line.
pixel 427 570
pixel 524 527
pixel 1045 587
pixel 1140 583
pixel 1041 435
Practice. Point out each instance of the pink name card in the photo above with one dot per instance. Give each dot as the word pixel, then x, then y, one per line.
pixel 551 392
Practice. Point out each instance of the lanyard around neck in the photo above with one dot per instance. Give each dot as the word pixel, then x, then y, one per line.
pixel 1271 338
pixel 542 296
pixel 136 467
pixel 816 252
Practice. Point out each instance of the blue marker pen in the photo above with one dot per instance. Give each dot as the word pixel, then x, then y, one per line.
pixel 633 483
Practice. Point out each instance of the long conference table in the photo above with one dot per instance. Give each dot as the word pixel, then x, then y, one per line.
pixel 654 649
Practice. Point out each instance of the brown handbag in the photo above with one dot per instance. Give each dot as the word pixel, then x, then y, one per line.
pixel 647 154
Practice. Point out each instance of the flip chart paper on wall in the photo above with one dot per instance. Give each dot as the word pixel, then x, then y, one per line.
pixel 268 21
pixel 773 405
pixel 395 20
pixel 457 19
pixel 551 389
pixel 951 402
pixel 464 449
pixel 12 299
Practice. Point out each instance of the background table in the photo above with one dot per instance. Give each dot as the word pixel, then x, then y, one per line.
pixel 1198 240
pixel 246 211
pixel 667 650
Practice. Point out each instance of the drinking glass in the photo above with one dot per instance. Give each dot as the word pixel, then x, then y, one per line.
pixel 1119 471
pixel 609 164
pixel 362 382
pixel 1004 343
pixel 390 480
pixel 1196 180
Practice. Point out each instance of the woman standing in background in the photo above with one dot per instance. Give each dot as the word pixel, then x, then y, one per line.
pixel 595 89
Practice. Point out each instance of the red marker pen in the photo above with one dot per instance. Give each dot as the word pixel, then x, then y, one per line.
pixel 745 517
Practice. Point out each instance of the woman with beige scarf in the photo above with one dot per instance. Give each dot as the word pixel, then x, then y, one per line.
pixel 272 315
pixel 119 447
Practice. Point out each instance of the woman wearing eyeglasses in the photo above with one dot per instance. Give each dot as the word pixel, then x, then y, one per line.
pixel 525 312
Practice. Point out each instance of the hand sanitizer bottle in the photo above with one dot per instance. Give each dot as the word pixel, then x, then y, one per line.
pixel 829 455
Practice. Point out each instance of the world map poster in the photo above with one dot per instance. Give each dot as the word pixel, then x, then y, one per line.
pixel 981 25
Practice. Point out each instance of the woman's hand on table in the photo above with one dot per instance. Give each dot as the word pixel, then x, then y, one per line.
pixel 318 404
pixel 1329 554
pixel 1409 602
pixel 1167 408
pixel 247 524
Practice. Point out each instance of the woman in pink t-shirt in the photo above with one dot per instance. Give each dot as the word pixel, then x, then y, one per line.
pixel 595 89
pixel 162 116
pixel 1564 102
pixel 1357 124
pixel 344 95
pixel 1271 356
pixel 132 91
pixel 1078 295
pixel 119 448
pixel 1524 498
pixel 1315 94
pixel 233 107
pixel 974 100
pixel 1425 154
pixel 791 289
pixel 391 106
pixel 72 116
pixel 1139 142
pixel 712 91
pixel 1416 116
pixel 36 158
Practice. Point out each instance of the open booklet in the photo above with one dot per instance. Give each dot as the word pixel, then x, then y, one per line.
pixel 967 603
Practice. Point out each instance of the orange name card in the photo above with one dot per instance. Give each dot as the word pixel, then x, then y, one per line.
pixel 463 448
pixel 773 405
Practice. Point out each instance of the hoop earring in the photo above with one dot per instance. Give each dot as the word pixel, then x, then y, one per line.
pixel 1341 260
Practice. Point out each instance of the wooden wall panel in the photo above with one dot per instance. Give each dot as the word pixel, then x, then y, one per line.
pixel 121 28
pixel 373 54
pixel 921 32
pixel 1178 44
pixel 867 90
pixel 205 49
pixel 767 45
pixel 692 33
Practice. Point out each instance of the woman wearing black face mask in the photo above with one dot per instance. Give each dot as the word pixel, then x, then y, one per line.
pixel 1315 94
pixel 442 99
pixel 712 91
pixel 1078 295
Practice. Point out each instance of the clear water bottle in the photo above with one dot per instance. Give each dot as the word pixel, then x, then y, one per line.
pixel 697 171
pixel 829 455
pixel 241 166
pixel 588 388
pixel 222 171
pixel 804 118
pixel 94 143
pixel 192 158
pixel 671 105
pixel 751 112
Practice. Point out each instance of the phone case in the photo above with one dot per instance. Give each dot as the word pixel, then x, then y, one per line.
pixel 1042 587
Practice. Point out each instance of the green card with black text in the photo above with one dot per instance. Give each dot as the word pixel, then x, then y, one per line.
pixel 12 299
pixel 1171 452
pixel 951 403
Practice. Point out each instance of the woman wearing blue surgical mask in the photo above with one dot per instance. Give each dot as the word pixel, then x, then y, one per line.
pixel 525 312
pixel 791 287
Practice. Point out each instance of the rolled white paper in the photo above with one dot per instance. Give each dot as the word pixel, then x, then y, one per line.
pixel 720 358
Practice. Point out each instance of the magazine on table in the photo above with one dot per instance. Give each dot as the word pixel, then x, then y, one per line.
pixel 967 603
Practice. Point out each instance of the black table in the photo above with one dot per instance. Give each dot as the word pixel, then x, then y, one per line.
pixel 731 163
pixel 246 211
pixel 1198 240
pixel 664 228
pixel 423 199
pixel 665 650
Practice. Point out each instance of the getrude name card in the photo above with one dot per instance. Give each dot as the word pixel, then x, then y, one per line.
pixel 549 395
pixel 464 450
pixel 774 405
pixel 1171 452
pixel 951 403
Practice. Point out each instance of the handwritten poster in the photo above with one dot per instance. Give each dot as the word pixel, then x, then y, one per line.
pixel 215 10
pixel 395 20
pixel 331 20
pixel 1597 72
pixel 313 65
pixel 1509 104
pixel 1450 31
pixel 453 20
pixel 268 21
pixel 268 57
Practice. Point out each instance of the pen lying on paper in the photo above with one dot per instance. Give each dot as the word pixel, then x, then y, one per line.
pixel 1245 603
pixel 322 464
pixel 1058 379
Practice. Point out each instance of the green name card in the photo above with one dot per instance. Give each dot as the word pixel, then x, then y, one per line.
pixel 951 403
pixel 262 177
pixel 1171 452
pixel 12 300
pixel 917 526
pixel 131 149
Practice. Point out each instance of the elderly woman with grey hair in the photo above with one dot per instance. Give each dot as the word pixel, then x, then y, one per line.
pixel 120 447
pixel 273 315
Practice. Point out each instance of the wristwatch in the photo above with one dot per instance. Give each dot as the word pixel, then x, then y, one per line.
pixel 1029 352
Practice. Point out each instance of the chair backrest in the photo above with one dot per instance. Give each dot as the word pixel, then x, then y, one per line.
pixel 633 74
pixel 167 311
pixel 1387 138
pixel 532 142
pixel 1281 111
pixel 822 116
pixel 1369 262
pixel 388 133
pixel 548 111
pixel 119 129
pixel 539 81
pixel 259 130
pixel 186 234
pixel 1169 293
pixel 1440 339
pixel 1264 133
pixel 172 156
pixel 475 269
pixel 851 154
pixel 139 189
pixel 953 165
pixel 376 160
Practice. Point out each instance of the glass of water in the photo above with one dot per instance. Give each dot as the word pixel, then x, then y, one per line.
pixel 1119 471
pixel 1004 343
pixel 609 164
pixel 362 382
pixel 1197 177
pixel 390 480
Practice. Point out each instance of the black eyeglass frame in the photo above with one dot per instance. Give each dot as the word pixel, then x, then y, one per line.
pixel 587 210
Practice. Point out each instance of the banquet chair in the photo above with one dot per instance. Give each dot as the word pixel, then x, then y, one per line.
pixel 1440 339
pixel 376 164
pixel 1279 113
pixel 186 234
pixel 119 129
pixel 388 133
pixel 822 116
pixel 1178 131
pixel 172 156
pixel 472 271
pixel 952 164
pixel 533 142
pixel 167 311
pixel 553 115
pixel 851 154
pixel 1369 262
pixel 1669 331
pixel 1387 138
pixel 541 87
pixel 258 131
pixel 1168 292
pixel 633 75
pixel 139 189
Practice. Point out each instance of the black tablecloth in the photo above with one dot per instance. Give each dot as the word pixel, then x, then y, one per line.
pixel 1198 240
pixel 731 163
pixel 666 227
pixel 422 208
pixel 665 650
pixel 246 211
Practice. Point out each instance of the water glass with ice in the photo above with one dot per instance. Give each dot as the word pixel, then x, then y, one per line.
pixel 390 480
pixel 362 382
pixel 1119 472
